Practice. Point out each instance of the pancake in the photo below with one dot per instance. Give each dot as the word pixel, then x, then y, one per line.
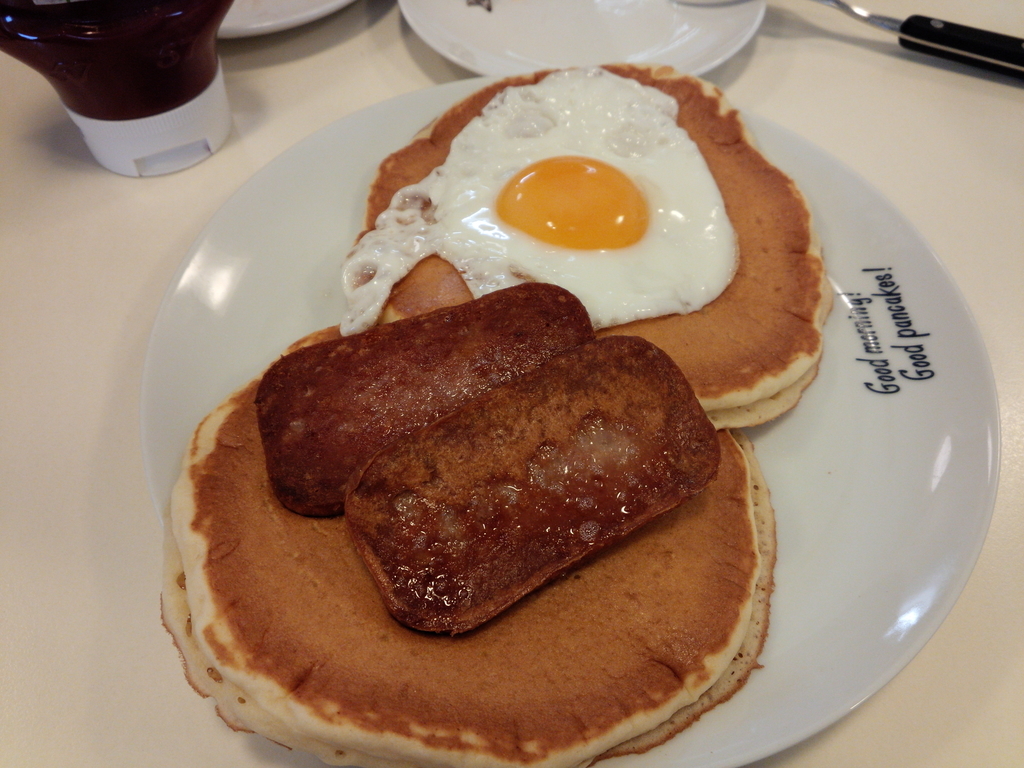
pixel 277 618
pixel 748 354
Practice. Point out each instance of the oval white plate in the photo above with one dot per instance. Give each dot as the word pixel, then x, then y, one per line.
pixel 882 500
pixel 248 18
pixel 526 35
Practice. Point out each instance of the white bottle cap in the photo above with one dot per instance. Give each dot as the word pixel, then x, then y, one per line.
pixel 164 143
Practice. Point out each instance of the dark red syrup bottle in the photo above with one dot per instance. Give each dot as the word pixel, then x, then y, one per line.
pixel 141 78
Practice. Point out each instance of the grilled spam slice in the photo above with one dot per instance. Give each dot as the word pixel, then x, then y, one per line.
pixel 325 409
pixel 460 519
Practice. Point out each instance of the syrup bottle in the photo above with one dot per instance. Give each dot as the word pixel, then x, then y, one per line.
pixel 140 78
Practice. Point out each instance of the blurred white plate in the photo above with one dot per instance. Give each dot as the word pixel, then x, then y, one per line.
pixel 526 35
pixel 883 500
pixel 248 18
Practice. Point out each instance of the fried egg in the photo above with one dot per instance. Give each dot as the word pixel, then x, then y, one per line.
pixel 583 180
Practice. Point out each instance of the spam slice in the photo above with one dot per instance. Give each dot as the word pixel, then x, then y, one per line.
pixel 325 409
pixel 460 519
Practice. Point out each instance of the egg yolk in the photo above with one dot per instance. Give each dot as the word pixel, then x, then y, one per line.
pixel 575 202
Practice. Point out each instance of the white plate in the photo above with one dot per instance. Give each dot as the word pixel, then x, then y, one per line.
pixel 248 18
pixel 883 500
pixel 526 35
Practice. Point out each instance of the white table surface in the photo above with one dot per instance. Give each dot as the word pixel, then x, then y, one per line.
pixel 88 676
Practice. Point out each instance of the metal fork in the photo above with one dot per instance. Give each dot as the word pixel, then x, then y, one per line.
pixel 888 23
pixel 990 50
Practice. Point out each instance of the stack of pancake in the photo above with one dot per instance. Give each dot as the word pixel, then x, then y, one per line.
pixel 279 620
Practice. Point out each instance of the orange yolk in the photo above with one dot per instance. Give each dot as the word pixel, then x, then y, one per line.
pixel 575 202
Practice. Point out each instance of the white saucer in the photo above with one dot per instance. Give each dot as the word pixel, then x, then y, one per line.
pixel 525 35
pixel 248 18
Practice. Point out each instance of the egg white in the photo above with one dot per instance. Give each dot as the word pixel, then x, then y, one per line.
pixel 685 260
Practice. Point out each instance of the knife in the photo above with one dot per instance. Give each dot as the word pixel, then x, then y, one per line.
pixel 978 47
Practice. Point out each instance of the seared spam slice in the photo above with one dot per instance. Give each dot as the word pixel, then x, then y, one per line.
pixel 325 409
pixel 460 519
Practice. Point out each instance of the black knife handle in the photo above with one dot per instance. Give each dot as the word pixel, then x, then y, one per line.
pixel 991 50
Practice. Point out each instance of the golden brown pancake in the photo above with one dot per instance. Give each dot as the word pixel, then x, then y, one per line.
pixel 278 619
pixel 748 354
